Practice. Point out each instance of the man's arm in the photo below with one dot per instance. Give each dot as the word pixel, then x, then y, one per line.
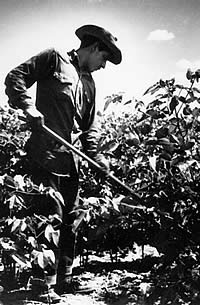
pixel 90 140
pixel 25 75
pixel 21 78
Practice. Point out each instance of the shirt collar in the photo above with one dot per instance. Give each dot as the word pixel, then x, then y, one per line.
pixel 74 59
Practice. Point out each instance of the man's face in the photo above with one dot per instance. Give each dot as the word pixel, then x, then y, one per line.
pixel 97 60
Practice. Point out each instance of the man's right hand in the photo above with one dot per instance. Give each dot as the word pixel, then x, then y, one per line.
pixel 34 117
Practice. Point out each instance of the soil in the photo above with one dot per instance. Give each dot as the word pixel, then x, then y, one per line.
pixel 103 282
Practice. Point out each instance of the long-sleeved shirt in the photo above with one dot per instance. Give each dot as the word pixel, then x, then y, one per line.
pixel 65 97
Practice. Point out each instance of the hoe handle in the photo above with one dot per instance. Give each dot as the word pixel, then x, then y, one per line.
pixel 90 161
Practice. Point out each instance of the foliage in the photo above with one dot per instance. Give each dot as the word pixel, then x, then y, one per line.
pixel 13 135
pixel 155 150
pixel 22 231
pixel 26 236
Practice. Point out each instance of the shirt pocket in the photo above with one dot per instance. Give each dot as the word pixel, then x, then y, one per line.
pixel 68 85
pixel 64 87
pixel 63 78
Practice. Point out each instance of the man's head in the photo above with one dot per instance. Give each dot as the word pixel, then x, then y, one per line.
pixel 97 46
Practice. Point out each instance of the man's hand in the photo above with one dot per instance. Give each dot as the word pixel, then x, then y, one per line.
pixel 103 162
pixel 34 117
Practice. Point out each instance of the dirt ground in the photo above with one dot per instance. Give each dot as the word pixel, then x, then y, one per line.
pixel 110 283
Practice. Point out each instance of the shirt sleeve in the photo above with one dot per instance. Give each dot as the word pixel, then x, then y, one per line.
pixel 89 124
pixel 90 139
pixel 25 75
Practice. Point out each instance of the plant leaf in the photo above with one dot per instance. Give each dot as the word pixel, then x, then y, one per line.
pixel 56 236
pixel 152 162
pixel 174 102
pixel 107 103
pixel 48 257
pixel 152 89
pixel 48 232
pixel 40 260
pixel 16 225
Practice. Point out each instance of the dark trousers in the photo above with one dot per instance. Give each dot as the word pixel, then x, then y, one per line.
pixel 68 188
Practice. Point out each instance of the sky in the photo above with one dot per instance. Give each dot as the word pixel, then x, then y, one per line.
pixel 158 38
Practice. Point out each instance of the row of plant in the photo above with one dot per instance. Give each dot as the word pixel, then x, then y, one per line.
pixel 155 150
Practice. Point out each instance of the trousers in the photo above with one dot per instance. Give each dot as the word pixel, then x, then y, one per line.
pixel 68 188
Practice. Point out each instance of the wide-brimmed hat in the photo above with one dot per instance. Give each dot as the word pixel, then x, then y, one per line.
pixel 103 35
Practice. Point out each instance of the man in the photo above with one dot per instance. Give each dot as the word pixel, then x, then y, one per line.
pixel 65 102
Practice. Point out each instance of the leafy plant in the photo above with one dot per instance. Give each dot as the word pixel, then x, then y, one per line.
pixel 26 236
pixel 155 150
pixel 22 230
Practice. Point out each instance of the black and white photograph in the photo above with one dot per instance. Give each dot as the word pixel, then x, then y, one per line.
pixel 100 152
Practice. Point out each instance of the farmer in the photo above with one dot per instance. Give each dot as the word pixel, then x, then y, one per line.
pixel 65 102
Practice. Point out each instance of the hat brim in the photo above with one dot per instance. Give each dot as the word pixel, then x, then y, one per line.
pixel 115 53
